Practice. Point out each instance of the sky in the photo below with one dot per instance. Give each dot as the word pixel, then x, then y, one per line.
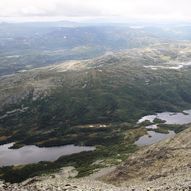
pixel 174 10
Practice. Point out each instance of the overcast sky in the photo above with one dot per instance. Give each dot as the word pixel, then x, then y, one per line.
pixel 80 9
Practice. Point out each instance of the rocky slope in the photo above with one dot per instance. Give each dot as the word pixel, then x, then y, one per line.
pixel 162 166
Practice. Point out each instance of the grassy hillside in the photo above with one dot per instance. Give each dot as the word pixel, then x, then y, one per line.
pixel 94 102
pixel 44 105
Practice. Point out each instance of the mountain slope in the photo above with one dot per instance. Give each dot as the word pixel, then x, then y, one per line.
pixel 114 88
pixel 166 165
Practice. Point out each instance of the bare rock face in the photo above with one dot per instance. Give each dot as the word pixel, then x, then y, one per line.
pixel 166 165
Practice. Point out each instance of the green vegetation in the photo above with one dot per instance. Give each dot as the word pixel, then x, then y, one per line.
pixel 146 123
pixel 39 45
pixel 98 104
pixel 174 127
pixel 158 121
pixel 111 96
pixel 85 163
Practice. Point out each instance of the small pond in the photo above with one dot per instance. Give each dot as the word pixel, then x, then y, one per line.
pixel 153 137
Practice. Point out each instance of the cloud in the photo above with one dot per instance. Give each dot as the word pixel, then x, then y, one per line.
pixel 11 8
pixel 133 9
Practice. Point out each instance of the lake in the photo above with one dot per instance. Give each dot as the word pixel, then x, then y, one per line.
pixel 153 137
pixel 170 117
pixel 33 154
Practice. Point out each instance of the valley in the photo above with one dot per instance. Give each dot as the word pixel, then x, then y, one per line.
pixel 95 95
pixel 95 102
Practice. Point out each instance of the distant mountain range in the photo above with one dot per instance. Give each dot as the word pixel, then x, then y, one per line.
pixel 28 45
